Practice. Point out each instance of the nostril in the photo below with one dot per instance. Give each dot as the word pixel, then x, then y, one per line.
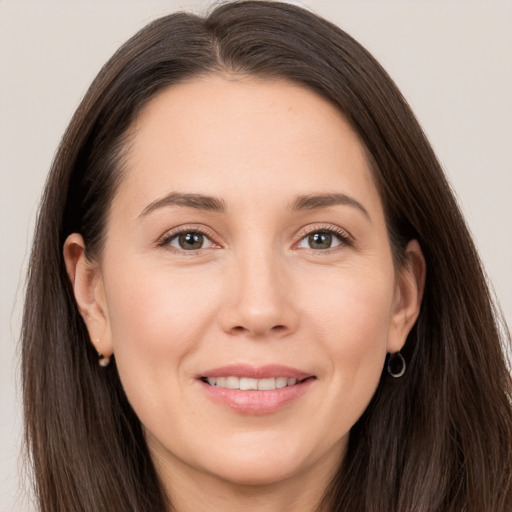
pixel 239 329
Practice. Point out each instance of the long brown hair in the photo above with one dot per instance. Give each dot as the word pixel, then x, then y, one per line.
pixel 439 439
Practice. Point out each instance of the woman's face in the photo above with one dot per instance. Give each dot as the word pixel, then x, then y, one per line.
pixel 246 248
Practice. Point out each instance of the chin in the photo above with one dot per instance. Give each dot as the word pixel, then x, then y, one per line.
pixel 243 473
pixel 267 462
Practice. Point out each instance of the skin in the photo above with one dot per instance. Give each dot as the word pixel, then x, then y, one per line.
pixel 257 292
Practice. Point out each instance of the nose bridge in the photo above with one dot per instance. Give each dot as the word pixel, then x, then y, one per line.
pixel 260 303
pixel 259 278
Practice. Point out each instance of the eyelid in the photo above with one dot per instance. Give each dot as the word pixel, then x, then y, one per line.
pixel 344 236
pixel 165 239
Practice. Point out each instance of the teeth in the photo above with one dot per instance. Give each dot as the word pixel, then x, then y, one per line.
pixel 246 383
pixel 232 383
pixel 266 384
pixel 281 382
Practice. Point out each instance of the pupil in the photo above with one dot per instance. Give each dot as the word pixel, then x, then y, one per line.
pixel 320 240
pixel 191 241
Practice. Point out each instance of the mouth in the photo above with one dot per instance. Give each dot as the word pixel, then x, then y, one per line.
pixel 248 383
pixel 251 390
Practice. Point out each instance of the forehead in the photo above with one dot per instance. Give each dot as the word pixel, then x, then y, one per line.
pixel 225 137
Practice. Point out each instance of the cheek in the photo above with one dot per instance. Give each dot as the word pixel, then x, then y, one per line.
pixel 352 320
pixel 156 321
pixel 354 308
pixel 153 301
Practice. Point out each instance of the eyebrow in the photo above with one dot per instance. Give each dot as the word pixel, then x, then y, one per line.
pixel 197 201
pixel 313 201
pixel 214 204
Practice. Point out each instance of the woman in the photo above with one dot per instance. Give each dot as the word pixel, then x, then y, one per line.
pixel 251 288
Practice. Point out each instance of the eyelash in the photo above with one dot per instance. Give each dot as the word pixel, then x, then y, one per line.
pixel 345 240
pixel 166 240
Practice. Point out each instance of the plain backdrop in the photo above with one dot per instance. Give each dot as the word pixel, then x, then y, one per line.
pixel 451 59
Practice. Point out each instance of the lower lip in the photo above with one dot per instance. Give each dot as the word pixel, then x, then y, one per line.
pixel 256 402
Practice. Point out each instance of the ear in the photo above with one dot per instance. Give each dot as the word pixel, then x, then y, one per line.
pixel 408 295
pixel 87 283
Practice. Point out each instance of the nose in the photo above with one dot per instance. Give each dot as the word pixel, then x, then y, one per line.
pixel 260 302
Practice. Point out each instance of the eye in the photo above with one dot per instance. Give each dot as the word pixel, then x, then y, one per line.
pixel 188 240
pixel 322 240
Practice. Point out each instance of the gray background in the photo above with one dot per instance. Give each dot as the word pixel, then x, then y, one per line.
pixel 451 59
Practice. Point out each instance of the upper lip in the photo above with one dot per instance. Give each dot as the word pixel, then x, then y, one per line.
pixel 256 372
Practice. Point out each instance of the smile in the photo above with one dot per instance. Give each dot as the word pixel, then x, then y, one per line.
pixel 246 383
pixel 250 390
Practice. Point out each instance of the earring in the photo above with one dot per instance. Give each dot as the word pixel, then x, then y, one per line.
pixel 103 360
pixel 396 365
